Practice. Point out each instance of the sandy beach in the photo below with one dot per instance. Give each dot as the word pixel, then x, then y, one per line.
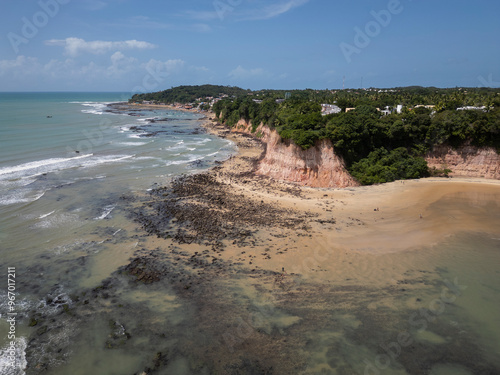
pixel 276 267
pixel 364 221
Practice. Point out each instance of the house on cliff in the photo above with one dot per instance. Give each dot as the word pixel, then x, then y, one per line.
pixel 329 109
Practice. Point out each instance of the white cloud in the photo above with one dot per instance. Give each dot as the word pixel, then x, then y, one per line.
pixel 117 57
pixel 74 46
pixel 199 69
pixel 21 66
pixel 163 69
pixel 18 62
pixel 274 10
pixel 55 67
pixel 251 11
pixel 118 72
pixel 121 65
pixel 240 73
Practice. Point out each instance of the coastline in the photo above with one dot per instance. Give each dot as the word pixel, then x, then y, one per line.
pixel 225 271
pixel 163 106
pixel 379 209
pixel 391 218
pixel 277 272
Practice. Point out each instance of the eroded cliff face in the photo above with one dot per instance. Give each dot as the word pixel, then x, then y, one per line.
pixel 469 161
pixel 318 166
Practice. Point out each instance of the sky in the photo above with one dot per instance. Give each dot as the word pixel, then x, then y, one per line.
pixel 152 45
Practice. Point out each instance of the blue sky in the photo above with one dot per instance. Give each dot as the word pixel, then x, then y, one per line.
pixel 134 46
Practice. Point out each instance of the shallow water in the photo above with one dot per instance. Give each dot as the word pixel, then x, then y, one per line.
pixel 62 220
pixel 332 329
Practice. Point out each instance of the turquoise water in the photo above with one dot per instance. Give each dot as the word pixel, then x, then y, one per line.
pixel 68 143
pixel 65 163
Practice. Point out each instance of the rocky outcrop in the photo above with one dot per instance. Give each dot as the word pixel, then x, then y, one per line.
pixel 469 161
pixel 317 166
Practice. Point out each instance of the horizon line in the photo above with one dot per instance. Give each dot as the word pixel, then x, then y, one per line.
pixel 262 89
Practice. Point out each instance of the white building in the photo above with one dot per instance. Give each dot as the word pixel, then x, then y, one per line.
pixel 330 109
pixel 472 108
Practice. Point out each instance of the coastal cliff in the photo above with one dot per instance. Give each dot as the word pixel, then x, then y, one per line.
pixel 320 166
pixel 467 161
pixel 317 166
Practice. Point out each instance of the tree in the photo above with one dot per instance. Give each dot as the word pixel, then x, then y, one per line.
pixel 385 166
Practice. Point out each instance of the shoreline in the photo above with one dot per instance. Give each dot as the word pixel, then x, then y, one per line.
pixel 212 126
pixel 380 219
pixel 400 209
pixel 163 106
pixel 225 271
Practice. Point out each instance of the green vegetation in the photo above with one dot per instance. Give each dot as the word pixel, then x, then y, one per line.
pixel 384 166
pixel 375 148
pixel 189 94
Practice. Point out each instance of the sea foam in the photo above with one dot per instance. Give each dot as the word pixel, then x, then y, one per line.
pixel 36 168
pixel 106 211
pixel 20 362
pixel 96 107
pixel 34 165
pixel 23 196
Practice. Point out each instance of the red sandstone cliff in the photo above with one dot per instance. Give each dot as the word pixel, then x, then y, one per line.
pixel 469 161
pixel 317 166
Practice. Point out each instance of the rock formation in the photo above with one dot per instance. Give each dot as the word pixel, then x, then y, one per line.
pixel 469 161
pixel 317 166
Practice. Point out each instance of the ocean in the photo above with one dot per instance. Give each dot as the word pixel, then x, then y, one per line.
pixel 65 162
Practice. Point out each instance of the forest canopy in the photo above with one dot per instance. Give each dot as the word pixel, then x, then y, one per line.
pixel 188 94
